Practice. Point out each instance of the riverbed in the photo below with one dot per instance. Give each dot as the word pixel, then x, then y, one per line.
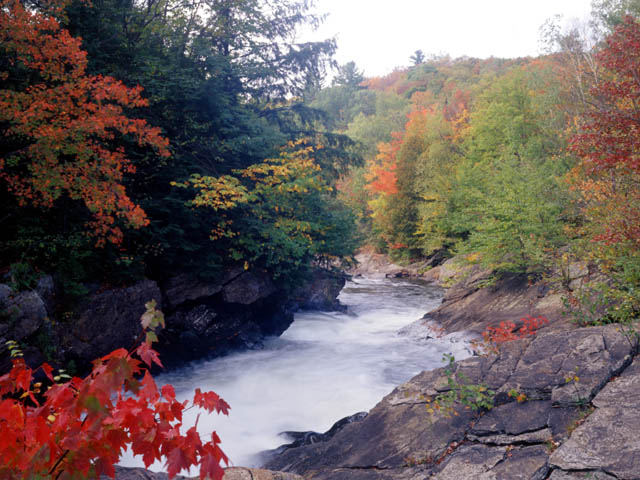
pixel 326 366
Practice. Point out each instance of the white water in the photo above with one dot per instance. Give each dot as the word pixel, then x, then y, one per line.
pixel 324 367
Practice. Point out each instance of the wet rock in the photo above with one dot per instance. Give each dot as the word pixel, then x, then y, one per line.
pixel 319 291
pixel 308 438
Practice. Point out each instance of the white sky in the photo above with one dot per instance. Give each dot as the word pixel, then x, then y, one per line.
pixel 382 34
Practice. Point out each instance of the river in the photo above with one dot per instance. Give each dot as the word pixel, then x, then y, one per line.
pixel 324 367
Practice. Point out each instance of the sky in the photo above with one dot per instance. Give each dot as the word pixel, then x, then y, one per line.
pixel 380 35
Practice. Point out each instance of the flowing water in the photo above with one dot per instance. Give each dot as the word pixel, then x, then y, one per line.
pixel 324 367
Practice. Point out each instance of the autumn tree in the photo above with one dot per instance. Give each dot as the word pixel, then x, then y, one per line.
pixel 607 141
pixel 278 214
pixel 60 126
pixel 54 426
pixel 608 176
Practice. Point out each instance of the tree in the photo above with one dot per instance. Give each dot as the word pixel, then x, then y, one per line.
pixel 609 146
pixel 78 428
pixel 225 79
pixel 417 58
pixel 349 75
pixel 277 214
pixel 59 124
pixel 608 14
pixel 507 202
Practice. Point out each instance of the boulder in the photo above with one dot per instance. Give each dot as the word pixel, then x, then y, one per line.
pixel 248 288
pixel 319 291
pixel 478 301
pixel 109 320
pixel 21 314
pixel 183 288
pixel 47 290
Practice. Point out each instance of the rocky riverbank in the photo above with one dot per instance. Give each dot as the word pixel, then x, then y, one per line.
pixel 204 318
pixel 577 418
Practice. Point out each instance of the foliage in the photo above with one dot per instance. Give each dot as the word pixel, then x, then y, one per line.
pixel 276 214
pixel 59 124
pixel 223 80
pixel 607 141
pixel 64 427
pixel 493 337
pixel 519 396
pixel 603 303
pixel 608 180
pixel 476 397
pixel 508 199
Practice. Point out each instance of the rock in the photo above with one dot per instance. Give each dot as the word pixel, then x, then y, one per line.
pixel 399 439
pixel 47 291
pixel 248 288
pixel 5 293
pixel 241 473
pixel 183 288
pixel 480 462
pixel 371 264
pixel 232 473
pixel 124 473
pixel 608 439
pixel 591 475
pixel 320 290
pixel 109 320
pixel 23 313
pixel 308 438
pixel 473 303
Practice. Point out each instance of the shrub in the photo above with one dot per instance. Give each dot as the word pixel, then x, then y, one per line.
pixel 78 428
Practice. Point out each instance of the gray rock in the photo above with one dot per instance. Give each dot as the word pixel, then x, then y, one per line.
pixel 232 473
pixel 507 442
pixel 23 313
pixel 320 290
pixel 241 473
pixel 47 291
pixel 608 439
pixel 124 473
pixel 5 292
pixel 513 419
pixel 470 305
pixel 248 288
pixel 109 320
pixel 182 288
pixel 473 461
pixel 592 475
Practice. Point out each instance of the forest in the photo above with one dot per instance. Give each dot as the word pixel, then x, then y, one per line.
pixel 145 138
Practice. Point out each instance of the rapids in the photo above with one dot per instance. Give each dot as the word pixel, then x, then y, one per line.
pixel 326 366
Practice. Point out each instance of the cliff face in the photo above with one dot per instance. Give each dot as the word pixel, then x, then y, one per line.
pixel 203 318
